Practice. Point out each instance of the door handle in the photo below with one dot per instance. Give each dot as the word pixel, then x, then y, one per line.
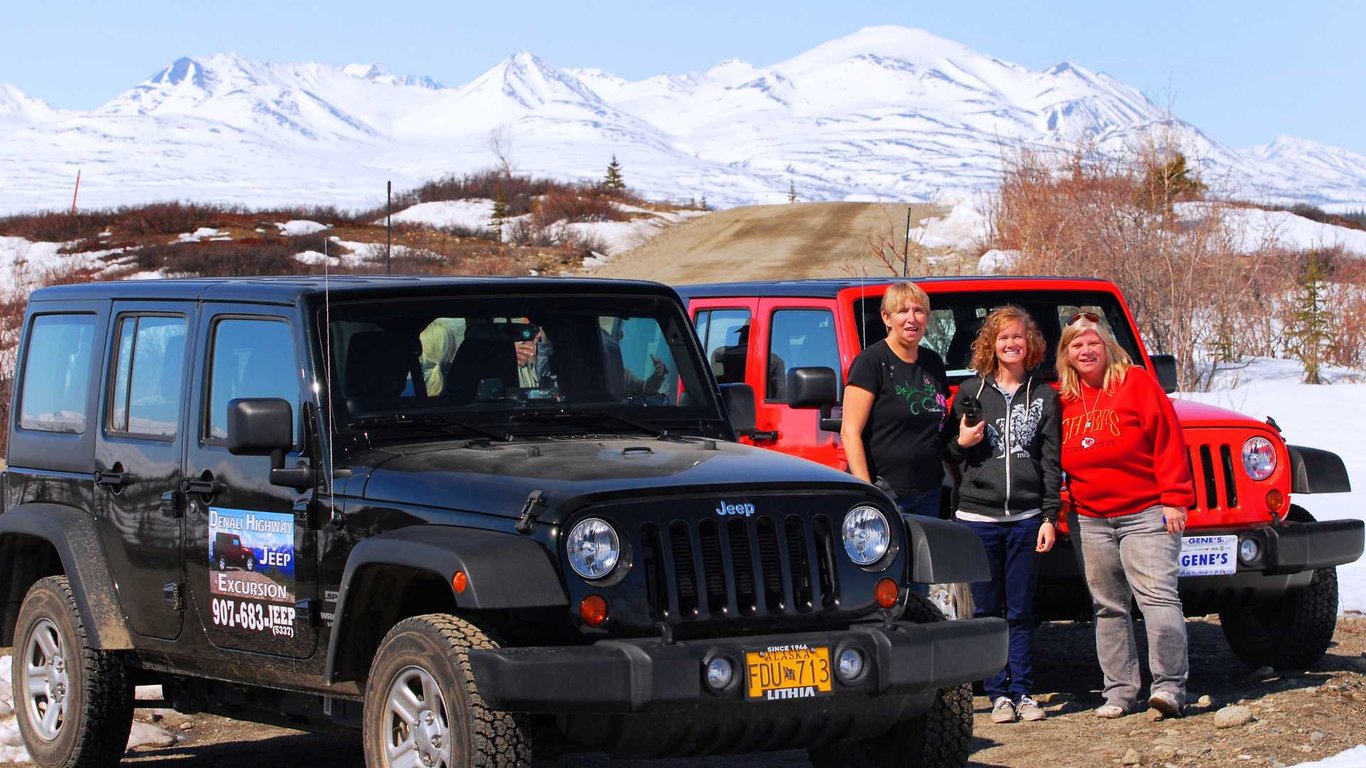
pixel 113 480
pixel 769 435
pixel 205 487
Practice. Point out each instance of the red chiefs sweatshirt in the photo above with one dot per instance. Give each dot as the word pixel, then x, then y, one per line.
pixel 1124 452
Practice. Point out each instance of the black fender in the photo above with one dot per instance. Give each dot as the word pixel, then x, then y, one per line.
pixel 943 551
pixel 504 570
pixel 72 533
pixel 1313 470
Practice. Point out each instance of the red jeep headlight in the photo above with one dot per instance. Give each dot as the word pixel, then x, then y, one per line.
pixel 1259 458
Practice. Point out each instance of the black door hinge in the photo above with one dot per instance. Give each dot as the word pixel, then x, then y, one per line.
pixel 531 509
pixel 171 594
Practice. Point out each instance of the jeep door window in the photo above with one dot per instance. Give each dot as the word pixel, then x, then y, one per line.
pixel 56 372
pixel 725 341
pixel 799 338
pixel 149 363
pixel 249 358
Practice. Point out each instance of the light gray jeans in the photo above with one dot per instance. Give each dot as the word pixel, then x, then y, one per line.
pixel 1128 557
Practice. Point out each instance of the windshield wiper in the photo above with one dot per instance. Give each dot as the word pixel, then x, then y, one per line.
pixel 438 424
pixel 584 414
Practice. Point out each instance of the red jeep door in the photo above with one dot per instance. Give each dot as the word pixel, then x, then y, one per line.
pixel 794 333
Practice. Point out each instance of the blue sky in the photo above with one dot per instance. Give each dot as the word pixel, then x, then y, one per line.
pixel 1244 72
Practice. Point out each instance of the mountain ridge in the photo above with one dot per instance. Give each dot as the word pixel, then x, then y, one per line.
pixel 885 113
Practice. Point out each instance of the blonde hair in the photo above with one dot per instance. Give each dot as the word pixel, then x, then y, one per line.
pixel 984 360
pixel 901 292
pixel 439 342
pixel 1118 361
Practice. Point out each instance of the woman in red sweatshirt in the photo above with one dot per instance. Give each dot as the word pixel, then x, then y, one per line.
pixel 1125 465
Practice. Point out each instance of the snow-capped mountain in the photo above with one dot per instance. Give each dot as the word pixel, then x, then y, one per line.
pixel 885 113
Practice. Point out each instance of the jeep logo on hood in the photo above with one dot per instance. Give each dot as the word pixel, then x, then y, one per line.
pixel 744 510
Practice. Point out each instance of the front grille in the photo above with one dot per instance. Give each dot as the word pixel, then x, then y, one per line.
pixel 1212 470
pixel 741 567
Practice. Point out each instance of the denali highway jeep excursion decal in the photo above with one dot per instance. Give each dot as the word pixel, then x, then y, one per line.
pixel 251 570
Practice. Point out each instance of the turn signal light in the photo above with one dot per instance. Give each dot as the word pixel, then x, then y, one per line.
pixel 884 594
pixel 593 610
pixel 1275 501
pixel 460 582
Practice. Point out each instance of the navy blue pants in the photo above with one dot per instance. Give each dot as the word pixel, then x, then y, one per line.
pixel 925 504
pixel 1010 594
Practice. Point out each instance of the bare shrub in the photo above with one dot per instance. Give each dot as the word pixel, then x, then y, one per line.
pixel 56 227
pixel 576 205
pixel 229 259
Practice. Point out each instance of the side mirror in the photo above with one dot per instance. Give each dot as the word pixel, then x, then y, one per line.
pixel 264 426
pixel 1164 369
pixel 738 400
pixel 812 387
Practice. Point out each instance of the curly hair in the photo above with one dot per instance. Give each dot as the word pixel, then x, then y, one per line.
pixel 984 360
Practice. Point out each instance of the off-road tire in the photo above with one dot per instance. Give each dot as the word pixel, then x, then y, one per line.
pixel 249 564
pixel 940 738
pixel 93 733
pixel 1291 633
pixel 220 563
pixel 438 645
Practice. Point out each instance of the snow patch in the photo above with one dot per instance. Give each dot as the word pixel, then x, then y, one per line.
pixel 297 227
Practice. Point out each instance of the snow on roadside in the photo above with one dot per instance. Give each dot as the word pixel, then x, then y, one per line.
pixel 297 227
pixel 24 263
pixel 1352 758
pixel 465 214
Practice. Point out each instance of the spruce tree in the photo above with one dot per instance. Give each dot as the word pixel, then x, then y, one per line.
pixel 1309 325
pixel 791 192
pixel 498 216
pixel 613 181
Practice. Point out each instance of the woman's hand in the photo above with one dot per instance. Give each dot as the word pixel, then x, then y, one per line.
pixel 1047 535
pixel 970 436
pixel 1175 520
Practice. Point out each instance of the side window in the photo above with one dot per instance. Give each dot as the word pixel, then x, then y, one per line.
pixel 952 340
pixel 249 358
pixel 799 338
pixel 149 362
pixel 56 373
pixel 725 340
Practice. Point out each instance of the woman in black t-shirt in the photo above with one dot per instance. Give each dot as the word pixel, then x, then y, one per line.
pixel 895 404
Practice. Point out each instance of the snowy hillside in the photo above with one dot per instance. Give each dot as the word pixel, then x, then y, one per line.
pixel 887 113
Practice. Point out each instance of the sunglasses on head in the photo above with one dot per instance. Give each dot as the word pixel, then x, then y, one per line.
pixel 1091 316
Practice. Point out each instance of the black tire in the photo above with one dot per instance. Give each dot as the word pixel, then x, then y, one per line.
pixel 1291 633
pixel 250 564
pixel 432 653
pixel 221 562
pixel 940 738
pixel 83 718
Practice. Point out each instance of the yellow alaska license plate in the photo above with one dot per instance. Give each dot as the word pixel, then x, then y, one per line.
pixel 795 671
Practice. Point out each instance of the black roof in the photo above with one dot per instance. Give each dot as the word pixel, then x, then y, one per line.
pixel 829 287
pixel 292 289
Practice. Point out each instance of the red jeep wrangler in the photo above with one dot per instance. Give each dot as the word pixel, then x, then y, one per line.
pixel 1250 555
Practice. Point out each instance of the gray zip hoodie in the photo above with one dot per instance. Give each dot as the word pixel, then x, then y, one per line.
pixel 1017 466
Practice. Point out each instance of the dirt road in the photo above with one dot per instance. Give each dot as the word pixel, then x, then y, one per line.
pixel 1296 718
pixel 772 242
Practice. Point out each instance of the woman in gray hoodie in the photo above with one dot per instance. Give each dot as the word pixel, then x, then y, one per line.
pixel 1004 431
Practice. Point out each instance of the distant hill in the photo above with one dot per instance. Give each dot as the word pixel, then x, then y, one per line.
pixel 884 114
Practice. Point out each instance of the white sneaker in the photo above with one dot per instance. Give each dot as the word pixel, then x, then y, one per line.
pixel 1029 709
pixel 1003 711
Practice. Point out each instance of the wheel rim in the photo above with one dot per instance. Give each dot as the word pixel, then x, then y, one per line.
pixel 44 680
pixel 222 563
pixel 415 729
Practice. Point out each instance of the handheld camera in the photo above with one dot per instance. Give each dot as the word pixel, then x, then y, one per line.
pixel 972 410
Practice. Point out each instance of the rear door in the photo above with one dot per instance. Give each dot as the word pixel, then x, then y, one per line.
pixel 797 333
pixel 250 555
pixel 138 454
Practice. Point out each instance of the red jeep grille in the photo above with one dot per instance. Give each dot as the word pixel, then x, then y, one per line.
pixel 1212 469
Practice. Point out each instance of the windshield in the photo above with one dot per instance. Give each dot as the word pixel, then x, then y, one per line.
pixel 955 319
pixel 518 365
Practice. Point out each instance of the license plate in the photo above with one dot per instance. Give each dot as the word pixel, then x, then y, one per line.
pixel 787 672
pixel 1208 555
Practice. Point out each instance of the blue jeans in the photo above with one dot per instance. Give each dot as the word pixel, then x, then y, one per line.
pixel 1126 558
pixel 924 504
pixel 1010 595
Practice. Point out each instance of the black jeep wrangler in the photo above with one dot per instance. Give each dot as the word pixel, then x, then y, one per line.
pixel 465 516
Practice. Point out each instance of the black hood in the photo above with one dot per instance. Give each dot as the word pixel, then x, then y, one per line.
pixel 495 478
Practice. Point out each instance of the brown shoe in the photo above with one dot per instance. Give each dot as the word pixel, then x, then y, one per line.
pixel 1003 711
pixel 1029 709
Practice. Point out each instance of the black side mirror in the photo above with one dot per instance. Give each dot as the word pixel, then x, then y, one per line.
pixel 738 400
pixel 264 426
pixel 812 387
pixel 1164 369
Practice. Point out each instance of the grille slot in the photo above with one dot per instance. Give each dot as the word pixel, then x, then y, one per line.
pixel 1211 487
pixel 762 565
pixel 1230 479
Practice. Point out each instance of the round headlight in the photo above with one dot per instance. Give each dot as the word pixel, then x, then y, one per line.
pixel 593 548
pixel 866 535
pixel 1259 458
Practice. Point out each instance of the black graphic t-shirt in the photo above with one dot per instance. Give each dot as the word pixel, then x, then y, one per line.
pixel 903 437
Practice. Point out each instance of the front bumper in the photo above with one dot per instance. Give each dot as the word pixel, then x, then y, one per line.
pixel 649 675
pixel 1290 554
